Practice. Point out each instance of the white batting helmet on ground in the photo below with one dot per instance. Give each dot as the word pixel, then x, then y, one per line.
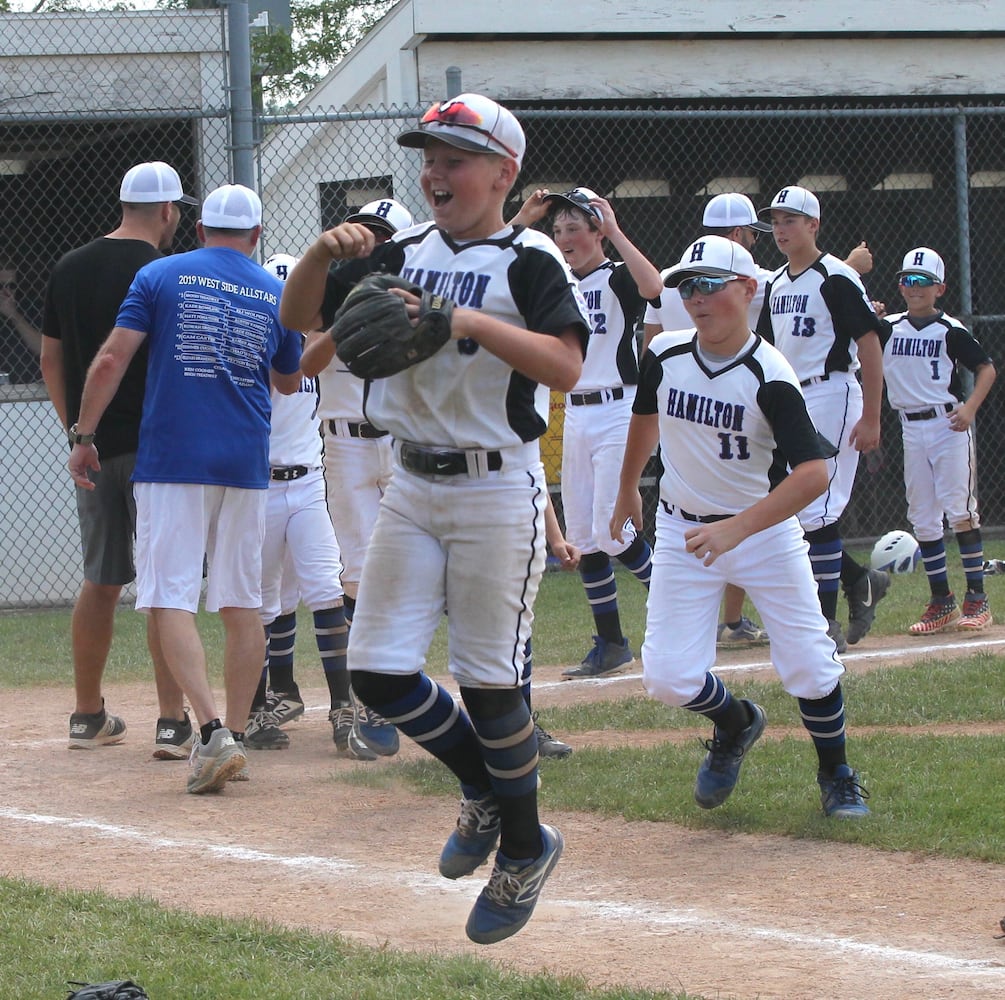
pixel 896 552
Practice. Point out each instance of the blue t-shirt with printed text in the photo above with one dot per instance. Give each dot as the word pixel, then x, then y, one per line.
pixel 212 321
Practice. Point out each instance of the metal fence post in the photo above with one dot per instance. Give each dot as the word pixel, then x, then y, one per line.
pixel 239 92
pixel 453 81
pixel 963 211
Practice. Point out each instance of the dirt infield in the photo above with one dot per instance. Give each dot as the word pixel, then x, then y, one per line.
pixel 642 904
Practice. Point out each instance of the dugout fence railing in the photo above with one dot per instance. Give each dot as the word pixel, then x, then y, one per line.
pixel 917 173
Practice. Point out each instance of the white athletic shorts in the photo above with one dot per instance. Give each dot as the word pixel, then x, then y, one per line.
pixel 177 524
pixel 297 527
pixel 473 546
pixel 357 471
pixel 940 474
pixel 834 406
pixel 593 447
pixel 773 567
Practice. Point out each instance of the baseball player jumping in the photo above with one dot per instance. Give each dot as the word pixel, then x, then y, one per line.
pixel 817 313
pixel 462 521
pixel 726 410
pixel 921 362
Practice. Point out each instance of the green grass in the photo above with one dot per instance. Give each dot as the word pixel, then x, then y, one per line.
pixel 931 794
pixel 936 794
pixel 562 632
pixel 48 938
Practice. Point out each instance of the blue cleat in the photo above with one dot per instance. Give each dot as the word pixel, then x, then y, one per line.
pixel 841 794
pixel 605 658
pixel 719 771
pixel 474 839
pixel 507 902
pixel 376 732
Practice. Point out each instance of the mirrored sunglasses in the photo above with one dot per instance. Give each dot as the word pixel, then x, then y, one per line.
pixel 916 281
pixel 704 285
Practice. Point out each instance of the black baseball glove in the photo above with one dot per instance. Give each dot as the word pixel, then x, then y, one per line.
pixel 374 338
pixel 119 989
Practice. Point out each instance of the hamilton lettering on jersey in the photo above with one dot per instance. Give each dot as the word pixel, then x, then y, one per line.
pixel 463 288
pixel 911 347
pixel 696 409
pixel 782 304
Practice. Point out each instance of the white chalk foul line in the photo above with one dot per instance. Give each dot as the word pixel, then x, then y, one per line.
pixel 911 649
pixel 613 911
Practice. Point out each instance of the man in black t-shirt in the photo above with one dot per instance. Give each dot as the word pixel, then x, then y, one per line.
pixel 85 290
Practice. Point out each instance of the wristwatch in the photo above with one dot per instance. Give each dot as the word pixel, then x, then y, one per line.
pixel 77 438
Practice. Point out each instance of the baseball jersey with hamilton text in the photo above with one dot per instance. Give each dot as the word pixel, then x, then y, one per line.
pixel 815 317
pixel 921 359
pixel 747 423
pixel 463 396
pixel 614 305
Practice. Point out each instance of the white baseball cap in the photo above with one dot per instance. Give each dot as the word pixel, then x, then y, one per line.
pixel 713 257
pixel 732 209
pixel 386 213
pixel 469 121
pixel 232 206
pixel 579 197
pixel 795 199
pixel 151 183
pixel 280 264
pixel 924 260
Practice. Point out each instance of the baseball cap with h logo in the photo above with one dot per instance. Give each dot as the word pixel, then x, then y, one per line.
pixel 794 199
pixel 712 257
pixel 924 260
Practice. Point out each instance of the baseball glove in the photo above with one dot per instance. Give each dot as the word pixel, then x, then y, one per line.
pixel 374 338
pixel 119 989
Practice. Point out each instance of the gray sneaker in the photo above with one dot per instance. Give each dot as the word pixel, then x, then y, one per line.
pixel 605 658
pixel 214 764
pixel 88 730
pixel 862 600
pixel 174 738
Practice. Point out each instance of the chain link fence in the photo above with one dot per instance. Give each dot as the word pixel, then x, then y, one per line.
pixel 897 177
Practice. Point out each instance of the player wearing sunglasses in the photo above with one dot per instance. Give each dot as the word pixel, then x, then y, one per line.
pixel 921 362
pixel 741 458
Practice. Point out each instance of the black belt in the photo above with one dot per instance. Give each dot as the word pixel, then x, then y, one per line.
pixel 697 518
pixel 931 413
pixel 592 398
pixel 424 462
pixel 286 473
pixel 358 430
pixel 826 377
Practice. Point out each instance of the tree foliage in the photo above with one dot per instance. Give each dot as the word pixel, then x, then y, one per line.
pixel 323 32
pixel 289 64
